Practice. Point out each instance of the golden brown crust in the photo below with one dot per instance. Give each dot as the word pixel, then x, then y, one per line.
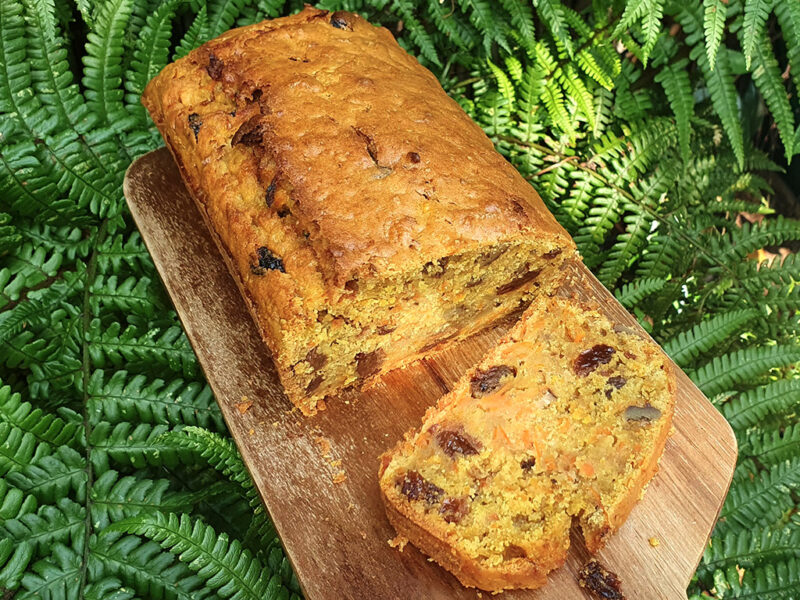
pixel 513 574
pixel 321 140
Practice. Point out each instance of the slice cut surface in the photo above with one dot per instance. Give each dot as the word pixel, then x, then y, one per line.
pixel 564 419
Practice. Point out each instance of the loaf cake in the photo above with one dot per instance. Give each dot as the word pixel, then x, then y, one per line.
pixel 366 219
pixel 565 419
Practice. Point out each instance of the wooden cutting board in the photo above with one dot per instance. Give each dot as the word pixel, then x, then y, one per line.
pixel 336 534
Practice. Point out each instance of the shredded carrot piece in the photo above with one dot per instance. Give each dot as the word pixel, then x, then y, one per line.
pixel 586 469
pixel 500 436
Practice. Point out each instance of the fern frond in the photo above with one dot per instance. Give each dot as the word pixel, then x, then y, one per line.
pixel 53 476
pixel 18 449
pixel 115 498
pixel 773 581
pixel 756 13
pixel 678 88
pixel 103 63
pixel 724 373
pixel 416 31
pixel 121 398
pixel 150 56
pixel 147 569
pixel 750 548
pixel 774 446
pixel 198 33
pixel 552 14
pixel 167 348
pixel 53 577
pixel 44 427
pixel 763 501
pixel 714 17
pixel 63 523
pixel 522 19
pixel 754 406
pixel 688 345
pixel 131 295
pixel 767 77
pixel 131 445
pixel 223 565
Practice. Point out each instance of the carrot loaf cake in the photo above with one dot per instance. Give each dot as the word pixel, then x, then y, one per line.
pixel 564 419
pixel 366 219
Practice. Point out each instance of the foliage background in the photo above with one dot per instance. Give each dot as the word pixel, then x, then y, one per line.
pixel 659 132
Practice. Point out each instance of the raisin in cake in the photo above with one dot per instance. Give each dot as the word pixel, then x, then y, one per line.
pixel 565 419
pixel 366 219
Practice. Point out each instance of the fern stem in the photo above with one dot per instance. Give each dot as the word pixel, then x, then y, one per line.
pixel 87 424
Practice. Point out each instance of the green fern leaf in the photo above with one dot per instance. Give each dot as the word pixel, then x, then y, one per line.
pixel 54 577
pixel 762 501
pixel 416 31
pixel 552 13
pixel 18 449
pixel 150 56
pixel 103 63
pixel 678 88
pixel 688 345
pixel 115 498
pixel 167 348
pixel 197 34
pixel 522 19
pixel 776 581
pixel 750 548
pixel 227 568
pixel 754 406
pixel 53 476
pixel 503 83
pixel 43 427
pixel 767 77
pixel 756 13
pixel 714 17
pixel 64 523
pixel 725 372
pixel 774 446
pixel 143 566
pixel 123 398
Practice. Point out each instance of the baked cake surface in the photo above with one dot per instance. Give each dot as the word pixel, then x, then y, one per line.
pixel 565 419
pixel 366 219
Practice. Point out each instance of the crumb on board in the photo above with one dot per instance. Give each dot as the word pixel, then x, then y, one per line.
pixel 398 542
pixel 276 424
pixel 251 432
pixel 324 445
pixel 336 463
pixel 654 542
pixel 339 477
pixel 351 506
pixel 363 535
pixel 244 405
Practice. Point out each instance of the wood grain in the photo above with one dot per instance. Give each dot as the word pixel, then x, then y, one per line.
pixel 336 534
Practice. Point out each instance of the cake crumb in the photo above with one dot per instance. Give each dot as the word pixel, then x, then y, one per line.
pixel 363 535
pixel 251 432
pixel 336 463
pixel 276 424
pixel 324 445
pixel 398 542
pixel 244 405
pixel 654 542
pixel 339 477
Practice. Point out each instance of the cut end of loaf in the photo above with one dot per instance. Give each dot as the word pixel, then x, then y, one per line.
pixel 564 420
pixel 372 326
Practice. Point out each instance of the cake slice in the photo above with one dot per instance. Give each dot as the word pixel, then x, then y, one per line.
pixel 566 418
